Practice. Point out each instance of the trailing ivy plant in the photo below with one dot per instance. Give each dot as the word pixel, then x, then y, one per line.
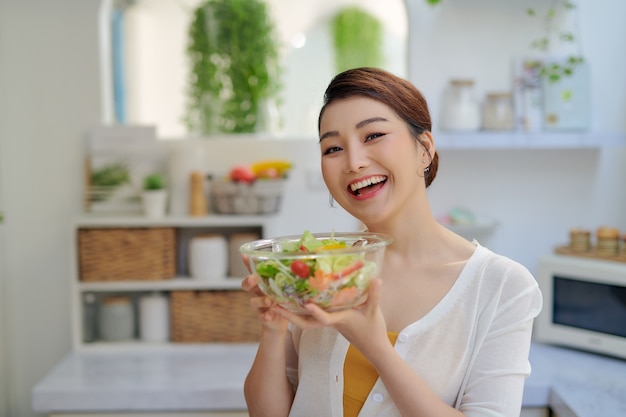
pixel 357 39
pixel 234 60
pixel 553 71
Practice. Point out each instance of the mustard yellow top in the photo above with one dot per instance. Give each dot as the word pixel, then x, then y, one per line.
pixel 359 376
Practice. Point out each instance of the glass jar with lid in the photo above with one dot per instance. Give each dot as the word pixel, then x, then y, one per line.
pixel 498 112
pixel 461 108
pixel 116 319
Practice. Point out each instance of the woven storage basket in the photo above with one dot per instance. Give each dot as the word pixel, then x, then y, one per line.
pixel 127 254
pixel 213 316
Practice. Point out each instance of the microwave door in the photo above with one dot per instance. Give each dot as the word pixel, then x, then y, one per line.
pixel 593 306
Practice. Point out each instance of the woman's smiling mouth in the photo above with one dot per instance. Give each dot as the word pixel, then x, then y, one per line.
pixel 367 185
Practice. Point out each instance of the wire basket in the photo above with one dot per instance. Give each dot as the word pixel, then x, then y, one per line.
pixel 258 197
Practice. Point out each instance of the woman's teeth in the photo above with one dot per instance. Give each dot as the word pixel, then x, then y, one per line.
pixel 355 187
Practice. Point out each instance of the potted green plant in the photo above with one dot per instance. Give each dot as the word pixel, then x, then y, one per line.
pixel 154 195
pixel 233 52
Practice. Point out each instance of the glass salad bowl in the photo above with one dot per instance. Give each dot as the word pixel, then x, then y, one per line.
pixel 331 270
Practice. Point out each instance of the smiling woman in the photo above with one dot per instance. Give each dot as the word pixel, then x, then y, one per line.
pixel 153 67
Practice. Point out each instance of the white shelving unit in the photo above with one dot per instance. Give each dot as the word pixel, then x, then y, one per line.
pixel 525 140
pixel 186 227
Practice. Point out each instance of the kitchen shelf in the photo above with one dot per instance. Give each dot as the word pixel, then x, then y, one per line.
pixel 134 220
pixel 175 284
pixel 524 140
pixel 185 229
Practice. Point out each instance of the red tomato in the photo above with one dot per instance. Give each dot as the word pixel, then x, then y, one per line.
pixel 300 268
pixel 242 173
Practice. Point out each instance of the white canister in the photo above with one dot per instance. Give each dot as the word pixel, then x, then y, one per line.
pixel 461 108
pixel 154 318
pixel 208 257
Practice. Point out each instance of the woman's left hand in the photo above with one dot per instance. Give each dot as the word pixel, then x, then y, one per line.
pixel 362 325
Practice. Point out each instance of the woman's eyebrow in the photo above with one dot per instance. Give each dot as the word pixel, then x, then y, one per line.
pixel 365 122
pixel 328 134
pixel 359 125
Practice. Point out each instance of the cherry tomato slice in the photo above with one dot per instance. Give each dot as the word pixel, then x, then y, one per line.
pixel 300 268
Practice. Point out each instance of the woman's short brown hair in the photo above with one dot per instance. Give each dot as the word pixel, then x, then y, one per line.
pixel 396 92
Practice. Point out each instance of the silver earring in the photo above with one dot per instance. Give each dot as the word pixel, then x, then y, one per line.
pixel 423 161
pixel 331 200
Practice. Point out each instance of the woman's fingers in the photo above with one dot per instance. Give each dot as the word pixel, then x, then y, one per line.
pixel 251 284
pixel 246 261
pixel 373 296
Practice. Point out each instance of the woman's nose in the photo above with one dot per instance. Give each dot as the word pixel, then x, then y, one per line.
pixel 357 160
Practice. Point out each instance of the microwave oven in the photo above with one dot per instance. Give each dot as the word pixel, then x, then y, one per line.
pixel 584 304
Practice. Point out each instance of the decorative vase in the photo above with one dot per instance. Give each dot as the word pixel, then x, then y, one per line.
pixel 154 203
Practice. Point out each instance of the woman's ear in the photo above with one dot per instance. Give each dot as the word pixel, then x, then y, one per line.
pixel 428 147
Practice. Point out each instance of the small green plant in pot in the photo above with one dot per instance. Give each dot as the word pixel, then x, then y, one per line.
pixel 153 182
pixel 154 196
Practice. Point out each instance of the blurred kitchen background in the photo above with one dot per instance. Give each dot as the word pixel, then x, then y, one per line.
pixel 532 187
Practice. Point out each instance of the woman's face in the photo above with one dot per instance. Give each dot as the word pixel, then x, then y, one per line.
pixel 370 162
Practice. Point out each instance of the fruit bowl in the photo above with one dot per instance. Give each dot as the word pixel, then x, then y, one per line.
pixel 331 270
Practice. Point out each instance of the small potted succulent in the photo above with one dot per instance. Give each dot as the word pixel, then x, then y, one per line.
pixel 154 196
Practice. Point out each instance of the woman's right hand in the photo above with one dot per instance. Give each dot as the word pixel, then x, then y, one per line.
pixel 269 317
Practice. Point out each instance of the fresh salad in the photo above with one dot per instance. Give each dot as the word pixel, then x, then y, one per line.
pixel 319 274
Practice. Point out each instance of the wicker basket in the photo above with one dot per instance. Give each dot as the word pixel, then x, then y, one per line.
pixel 127 254
pixel 259 197
pixel 213 316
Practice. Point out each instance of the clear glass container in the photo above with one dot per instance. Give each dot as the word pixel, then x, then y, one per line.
pixel 498 113
pixel 461 109
pixel 89 318
pixel 116 319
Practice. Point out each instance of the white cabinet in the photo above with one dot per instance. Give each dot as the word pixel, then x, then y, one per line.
pixel 184 229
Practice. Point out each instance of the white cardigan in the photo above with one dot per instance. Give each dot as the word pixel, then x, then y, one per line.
pixel 471 348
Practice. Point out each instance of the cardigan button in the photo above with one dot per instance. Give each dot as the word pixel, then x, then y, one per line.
pixel 403 337
pixel 378 397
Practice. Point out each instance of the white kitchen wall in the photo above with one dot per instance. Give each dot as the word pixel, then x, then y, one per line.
pixel 50 96
pixel 537 195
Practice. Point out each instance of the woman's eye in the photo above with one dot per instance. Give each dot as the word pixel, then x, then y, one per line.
pixel 331 149
pixel 373 136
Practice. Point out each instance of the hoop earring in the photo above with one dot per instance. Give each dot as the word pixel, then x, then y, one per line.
pixel 331 200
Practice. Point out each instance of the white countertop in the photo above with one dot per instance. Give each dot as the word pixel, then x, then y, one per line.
pixel 210 377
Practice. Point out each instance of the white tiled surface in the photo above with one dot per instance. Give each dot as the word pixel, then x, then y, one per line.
pixel 210 377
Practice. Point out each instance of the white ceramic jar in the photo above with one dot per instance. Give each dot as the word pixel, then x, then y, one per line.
pixel 208 257
pixel 461 108
pixel 154 318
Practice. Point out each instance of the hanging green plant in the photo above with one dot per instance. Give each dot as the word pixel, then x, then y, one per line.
pixel 357 38
pixel 234 60
pixel 554 71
